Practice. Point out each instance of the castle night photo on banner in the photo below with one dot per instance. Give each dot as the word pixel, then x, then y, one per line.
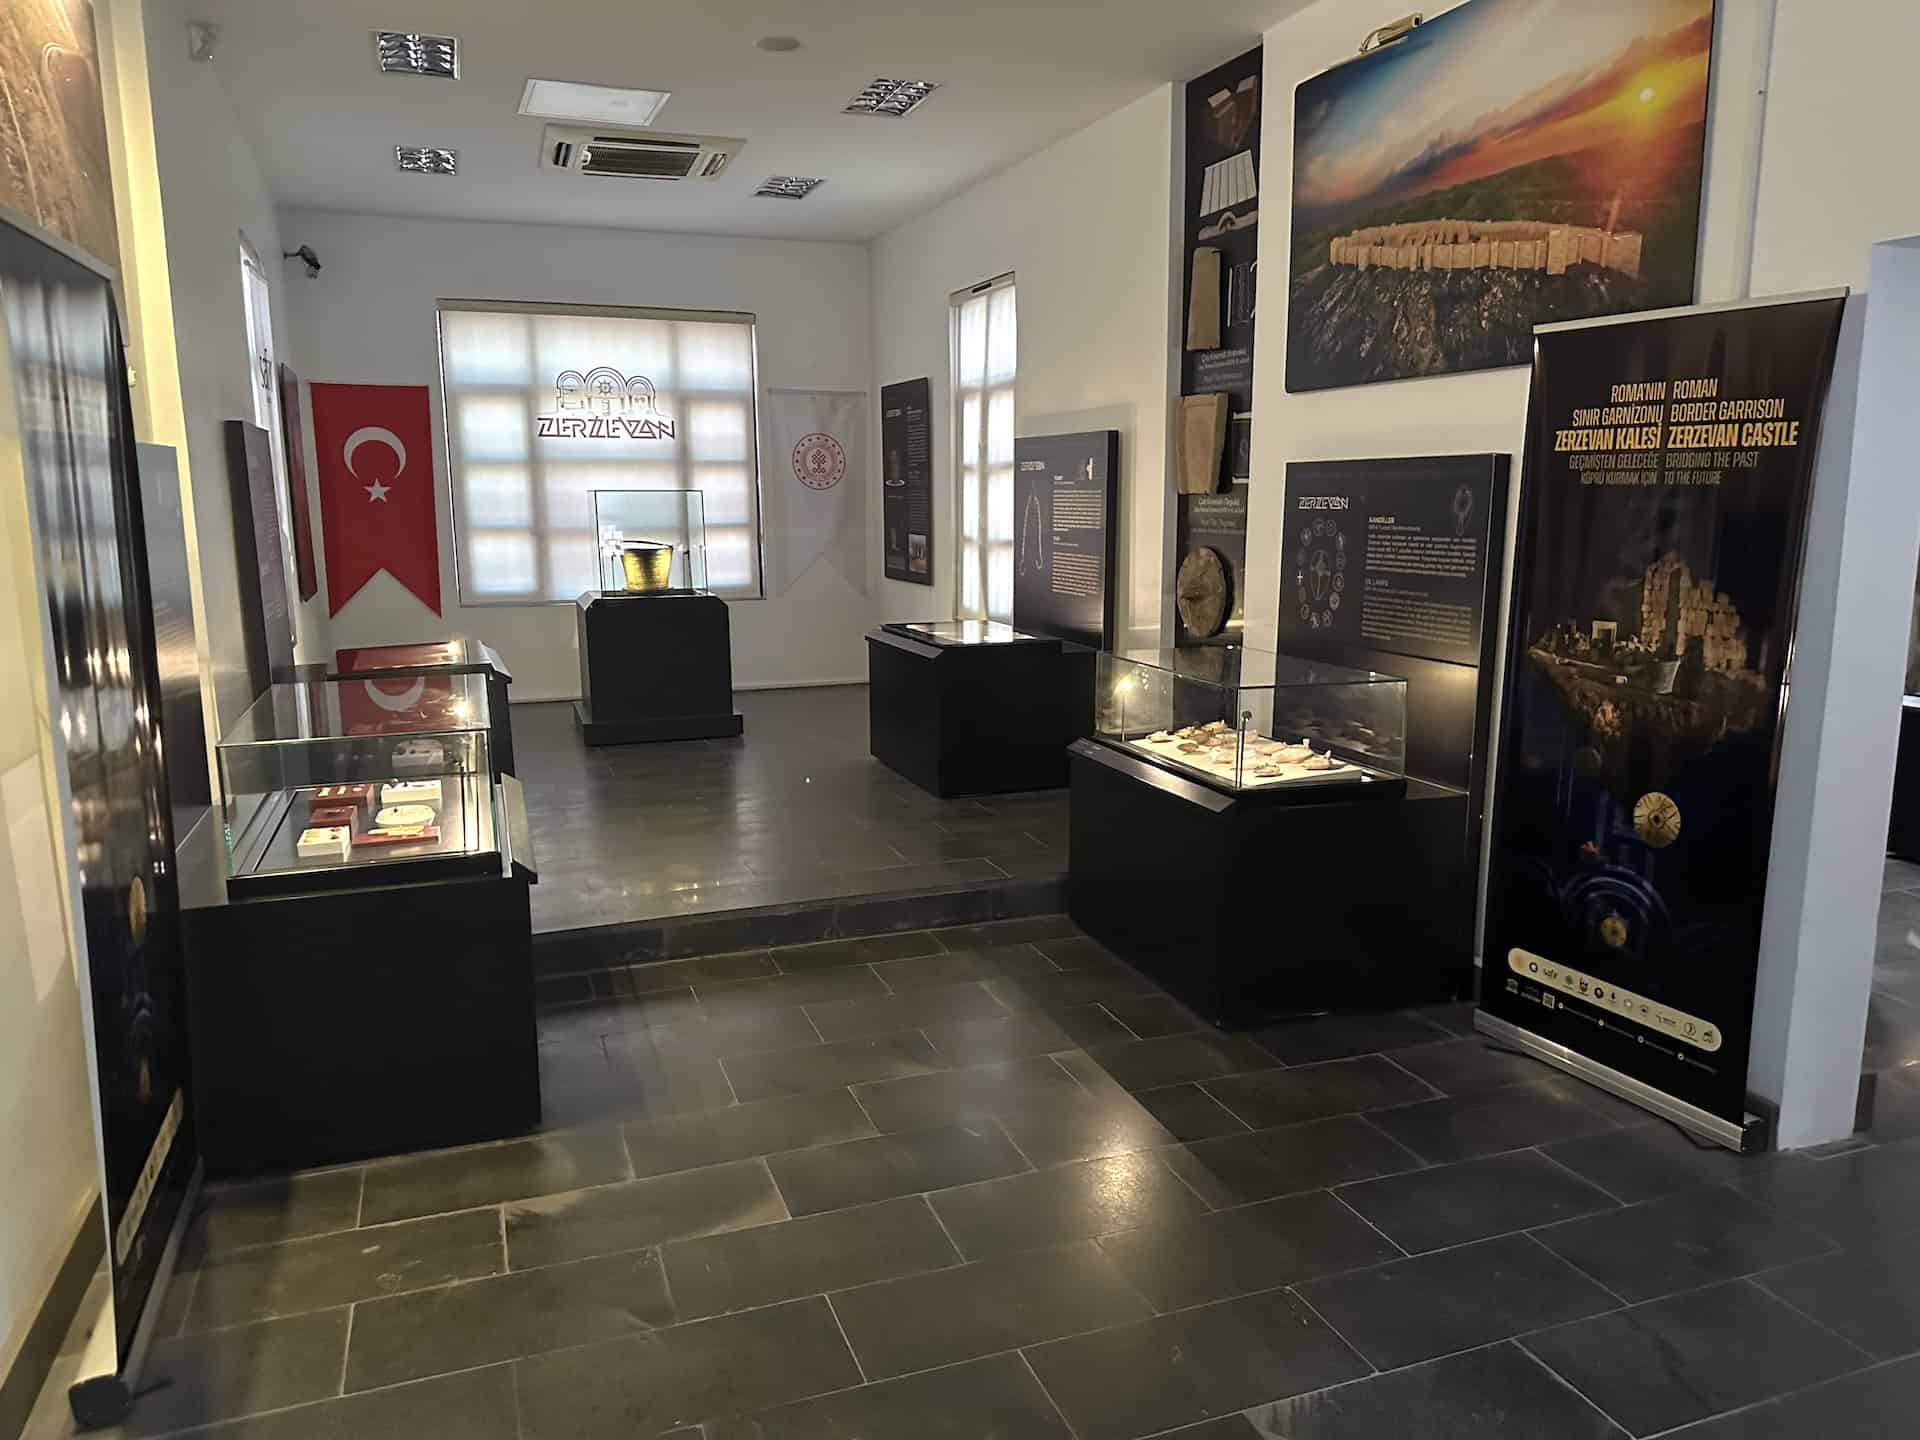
pixel 1508 164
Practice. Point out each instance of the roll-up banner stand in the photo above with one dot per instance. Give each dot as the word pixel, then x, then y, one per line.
pixel 1669 468
pixel 63 388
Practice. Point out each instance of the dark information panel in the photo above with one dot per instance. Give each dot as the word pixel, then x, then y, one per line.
pixel 906 479
pixel 1065 488
pixel 1390 554
pixel 1669 463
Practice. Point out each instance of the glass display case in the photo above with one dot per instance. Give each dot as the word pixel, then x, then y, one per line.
pixel 1251 719
pixel 652 542
pixel 945 633
pixel 322 786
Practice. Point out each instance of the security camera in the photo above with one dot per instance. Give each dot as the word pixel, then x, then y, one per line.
pixel 306 256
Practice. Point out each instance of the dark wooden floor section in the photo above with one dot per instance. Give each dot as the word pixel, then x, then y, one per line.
pixel 795 811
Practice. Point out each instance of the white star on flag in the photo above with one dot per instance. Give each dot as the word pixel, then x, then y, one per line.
pixel 377 491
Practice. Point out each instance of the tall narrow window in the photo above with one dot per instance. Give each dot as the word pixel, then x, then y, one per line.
pixel 546 404
pixel 985 335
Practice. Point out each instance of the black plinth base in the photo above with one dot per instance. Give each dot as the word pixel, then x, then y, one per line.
pixel 1903 827
pixel 665 727
pixel 1272 903
pixel 654 667
pixel 976 719
pixel 358 1023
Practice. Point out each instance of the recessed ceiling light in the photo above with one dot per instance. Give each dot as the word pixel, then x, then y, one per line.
pixel 427 159
pixel 777 44
pixel 402 52
pixel 595 104
pixel 788 187
pixel 892 98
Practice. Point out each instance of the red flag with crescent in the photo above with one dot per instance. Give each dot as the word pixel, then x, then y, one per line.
pixel 374 455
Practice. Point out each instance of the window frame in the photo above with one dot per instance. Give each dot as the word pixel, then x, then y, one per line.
pixel 960 391
pixel 683 461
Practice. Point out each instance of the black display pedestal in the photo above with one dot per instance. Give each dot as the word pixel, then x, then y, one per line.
pixel 654 667
pixel 354 1023
pixel 1246 906
pixel 977 719
pixel 1903 826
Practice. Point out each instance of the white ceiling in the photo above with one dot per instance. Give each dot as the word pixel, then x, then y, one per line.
pixel 1015 75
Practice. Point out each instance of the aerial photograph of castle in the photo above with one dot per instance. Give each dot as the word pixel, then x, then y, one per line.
pixel 1433 245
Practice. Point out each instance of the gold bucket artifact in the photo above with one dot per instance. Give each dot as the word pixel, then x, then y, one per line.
pixel 646 566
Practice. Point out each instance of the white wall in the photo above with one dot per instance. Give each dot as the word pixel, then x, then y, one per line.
pixel 1086 226
pixel 212 192
pixel 369 318
pixel 1837 172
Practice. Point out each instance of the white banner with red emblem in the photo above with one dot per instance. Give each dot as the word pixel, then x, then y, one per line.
pixel 814 486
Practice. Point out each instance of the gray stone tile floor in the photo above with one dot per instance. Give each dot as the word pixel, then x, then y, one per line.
pixel 797 810
pixel 935 1185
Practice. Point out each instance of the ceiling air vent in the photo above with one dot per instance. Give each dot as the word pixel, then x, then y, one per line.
pixel 891 98
pixel 636 157
pixel 403 52
pixel 788 187
pixel 427 159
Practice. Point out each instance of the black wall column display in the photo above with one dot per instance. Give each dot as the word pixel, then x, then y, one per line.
pixel 1221 219
pixel 1220 280
pixel 906 480
pixel 1668 472
pixel 76 449
pixel 1065 492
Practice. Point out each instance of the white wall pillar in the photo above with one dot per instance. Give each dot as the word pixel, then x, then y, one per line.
pixel 1843 717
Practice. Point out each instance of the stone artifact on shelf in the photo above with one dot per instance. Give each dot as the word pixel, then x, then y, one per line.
pixel 1202 593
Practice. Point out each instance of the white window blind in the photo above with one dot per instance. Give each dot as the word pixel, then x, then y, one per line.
pixel 546 404
pixel 985 335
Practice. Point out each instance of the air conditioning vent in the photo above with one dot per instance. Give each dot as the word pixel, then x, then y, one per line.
pixel 636 156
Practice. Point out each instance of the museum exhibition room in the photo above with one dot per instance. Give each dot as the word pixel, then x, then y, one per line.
pixel 704 737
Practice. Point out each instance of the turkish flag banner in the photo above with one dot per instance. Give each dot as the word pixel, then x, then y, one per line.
pixel 374 459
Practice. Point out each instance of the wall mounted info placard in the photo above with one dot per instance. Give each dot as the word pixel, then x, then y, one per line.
pixel 1391 554
pixel 1393 565
pixel 906 480
pixel 1669 464
pixel 1065 489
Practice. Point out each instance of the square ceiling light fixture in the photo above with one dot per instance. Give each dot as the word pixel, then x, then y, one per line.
pixel 592 104
pixel 426 159
pixel 788 187
pixel 892 98
pixel 402 52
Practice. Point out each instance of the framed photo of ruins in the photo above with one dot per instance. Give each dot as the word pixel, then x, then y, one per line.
pixel 1507 164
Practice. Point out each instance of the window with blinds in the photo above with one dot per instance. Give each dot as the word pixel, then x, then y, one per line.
pixel 546 404
pixel 984 335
